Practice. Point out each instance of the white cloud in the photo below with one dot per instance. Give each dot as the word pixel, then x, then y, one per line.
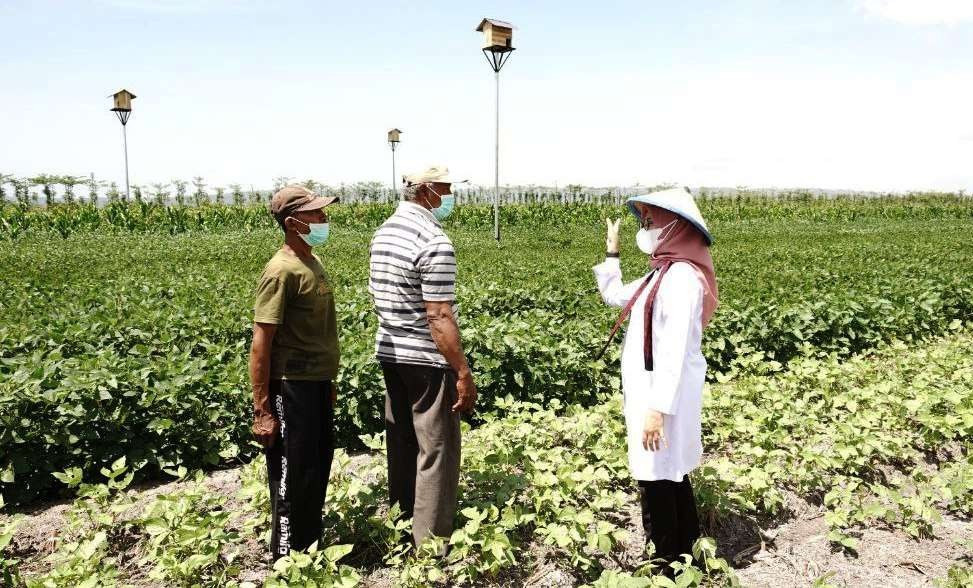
pixel 921 12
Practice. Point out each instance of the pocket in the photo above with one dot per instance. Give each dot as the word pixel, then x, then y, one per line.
pixel 450 391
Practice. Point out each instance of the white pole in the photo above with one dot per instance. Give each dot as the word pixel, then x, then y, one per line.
pixel 393 169
pixel 125 140
pixel 496 168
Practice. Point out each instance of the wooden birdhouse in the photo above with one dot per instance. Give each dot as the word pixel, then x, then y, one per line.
pixel 394 135
pixel 497 35
pixel 123 101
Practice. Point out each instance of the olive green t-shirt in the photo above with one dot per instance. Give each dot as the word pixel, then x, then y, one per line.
pixel 296 295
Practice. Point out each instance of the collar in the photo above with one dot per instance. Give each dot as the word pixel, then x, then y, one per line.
pixel 407 207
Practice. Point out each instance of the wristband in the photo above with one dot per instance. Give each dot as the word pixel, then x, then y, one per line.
pixel 611 255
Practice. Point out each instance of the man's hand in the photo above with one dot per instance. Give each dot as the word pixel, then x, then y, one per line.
pixel 611 240
pixel 465 393
pixel 653 435
pixel 445 332
pixel 265 428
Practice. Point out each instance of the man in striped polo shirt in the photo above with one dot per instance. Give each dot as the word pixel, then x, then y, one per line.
pixel 427 379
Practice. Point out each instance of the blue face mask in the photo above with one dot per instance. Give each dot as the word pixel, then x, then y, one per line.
pixel 318 235
pixel 445 208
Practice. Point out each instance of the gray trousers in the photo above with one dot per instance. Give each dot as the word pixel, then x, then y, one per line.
pixel 423 440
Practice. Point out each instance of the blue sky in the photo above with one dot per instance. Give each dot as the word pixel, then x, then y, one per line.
pixel 858 94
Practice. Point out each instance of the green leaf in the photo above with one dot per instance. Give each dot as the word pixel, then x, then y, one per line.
pixel 334 553
pixel 850 543
pixel 71 477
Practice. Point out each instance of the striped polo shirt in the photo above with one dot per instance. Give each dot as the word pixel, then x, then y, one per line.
pixel 411 261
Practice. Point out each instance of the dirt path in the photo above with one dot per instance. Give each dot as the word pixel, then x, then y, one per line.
pixel 801 554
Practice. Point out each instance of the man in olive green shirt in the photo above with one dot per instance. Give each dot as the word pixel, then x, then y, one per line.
pixel 293 364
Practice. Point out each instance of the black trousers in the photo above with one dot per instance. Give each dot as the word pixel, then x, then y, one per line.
pixel 299 462
pixel 669 516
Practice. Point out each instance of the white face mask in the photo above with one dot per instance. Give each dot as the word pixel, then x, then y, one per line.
pixel 649 239
pixel 644 240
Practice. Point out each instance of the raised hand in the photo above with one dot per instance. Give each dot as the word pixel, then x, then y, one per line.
pixel 611 240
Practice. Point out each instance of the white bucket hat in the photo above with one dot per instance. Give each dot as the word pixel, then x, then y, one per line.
pixel 433 174
pixel 677 200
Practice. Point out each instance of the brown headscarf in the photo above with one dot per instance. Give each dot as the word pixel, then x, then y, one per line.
pixel 681 241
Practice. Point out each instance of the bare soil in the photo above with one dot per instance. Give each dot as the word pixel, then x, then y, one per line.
pixel 793 551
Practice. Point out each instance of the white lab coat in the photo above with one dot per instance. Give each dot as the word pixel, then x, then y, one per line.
pixel 675 386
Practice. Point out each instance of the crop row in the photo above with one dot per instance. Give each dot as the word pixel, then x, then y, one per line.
pixel 879 440
pixel 65 219
pixel 69 189
pixel 142 347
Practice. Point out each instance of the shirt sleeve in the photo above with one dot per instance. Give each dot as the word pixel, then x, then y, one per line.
pixel 678 304
pixel 608 274
pixel 437 270
pixel 271 301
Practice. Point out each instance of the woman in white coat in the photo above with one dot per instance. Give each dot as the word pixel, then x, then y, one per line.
pixel 663 369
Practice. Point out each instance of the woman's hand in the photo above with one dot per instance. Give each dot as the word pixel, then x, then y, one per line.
pixel 653 435
pixel 611 240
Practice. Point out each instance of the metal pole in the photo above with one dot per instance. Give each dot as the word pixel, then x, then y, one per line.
pixel 393 170
pixel 496 167
pixel 125 140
